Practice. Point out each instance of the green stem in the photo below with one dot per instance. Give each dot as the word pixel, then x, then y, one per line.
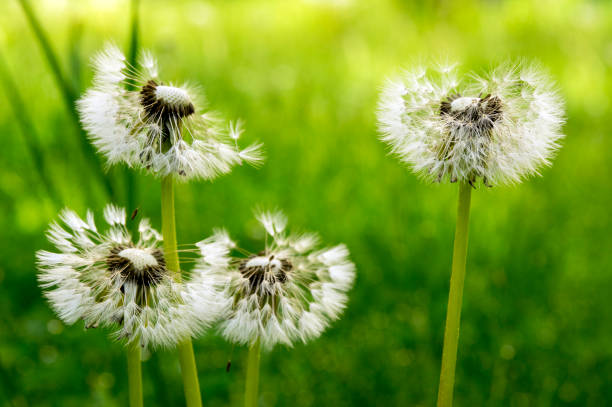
pixel 134 374
pixel 191 386
pixel 455 298
pixel 169 225
pixel 252 376
pixel 185 348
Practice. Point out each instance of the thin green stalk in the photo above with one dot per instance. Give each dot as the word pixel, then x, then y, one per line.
pixel 27 128
pixel 130 184
pixel 455 298
pixel 130 181
pixel 191 386
pixel 69 95
pixel 185 349
pixel 252 375
pixel 134 374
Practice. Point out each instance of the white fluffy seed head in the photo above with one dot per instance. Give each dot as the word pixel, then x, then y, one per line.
pixel 106 278
pixel 499 128
pixel 288 292
pixel 158 127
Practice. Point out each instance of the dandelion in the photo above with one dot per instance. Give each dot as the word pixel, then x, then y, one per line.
pixel 498 128
pixel 290 291
pixel 135 118
pixel 106 278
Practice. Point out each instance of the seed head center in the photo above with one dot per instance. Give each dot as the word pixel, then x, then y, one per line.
pixel 463 103
pixel 477 113
pixel 164 104
pixel 142 266
pixel 173 96
pixel 265 268
pixel 139 258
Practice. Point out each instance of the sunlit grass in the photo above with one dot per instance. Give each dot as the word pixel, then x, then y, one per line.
pixel 305 77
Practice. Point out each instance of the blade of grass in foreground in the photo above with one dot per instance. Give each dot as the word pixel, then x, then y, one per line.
pixel 27 128
pixel 74 54
pixel 69 96
pixel 130 180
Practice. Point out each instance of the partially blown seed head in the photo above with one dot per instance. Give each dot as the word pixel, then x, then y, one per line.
pixel 497 128
pixel 290 291
pixel 135 118
pixel 107 278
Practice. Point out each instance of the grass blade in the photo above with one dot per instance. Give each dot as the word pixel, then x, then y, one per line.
pixel 69 95
pixel 27 128
pixel 130 181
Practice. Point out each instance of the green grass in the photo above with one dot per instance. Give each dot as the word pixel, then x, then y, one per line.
pixel 536 328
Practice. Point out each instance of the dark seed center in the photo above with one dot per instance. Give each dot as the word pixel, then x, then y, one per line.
pixel 270 269
pixel 480 115
pixel 161 110
pixel 144 273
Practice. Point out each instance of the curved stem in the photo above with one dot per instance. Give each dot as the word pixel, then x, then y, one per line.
pixel 252 376
pixel 455 298
pixel 189 372
pixel 134 374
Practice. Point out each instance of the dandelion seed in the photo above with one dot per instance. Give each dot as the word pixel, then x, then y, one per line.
pixel 289 291
pixel 107 278
pixel 497 128
pixel 159 126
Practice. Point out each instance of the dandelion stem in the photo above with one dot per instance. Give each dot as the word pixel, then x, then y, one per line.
pixel 189 371
pixel 185 348
pixel 455 298
pixel 134 374
pixel 252 376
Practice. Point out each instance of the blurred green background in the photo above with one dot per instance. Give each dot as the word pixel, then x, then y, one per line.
pixel 305 77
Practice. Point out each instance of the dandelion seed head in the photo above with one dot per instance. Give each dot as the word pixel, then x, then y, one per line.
pixel 133 117
pixel 290 291
pixel 498 128
pixel 106 278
